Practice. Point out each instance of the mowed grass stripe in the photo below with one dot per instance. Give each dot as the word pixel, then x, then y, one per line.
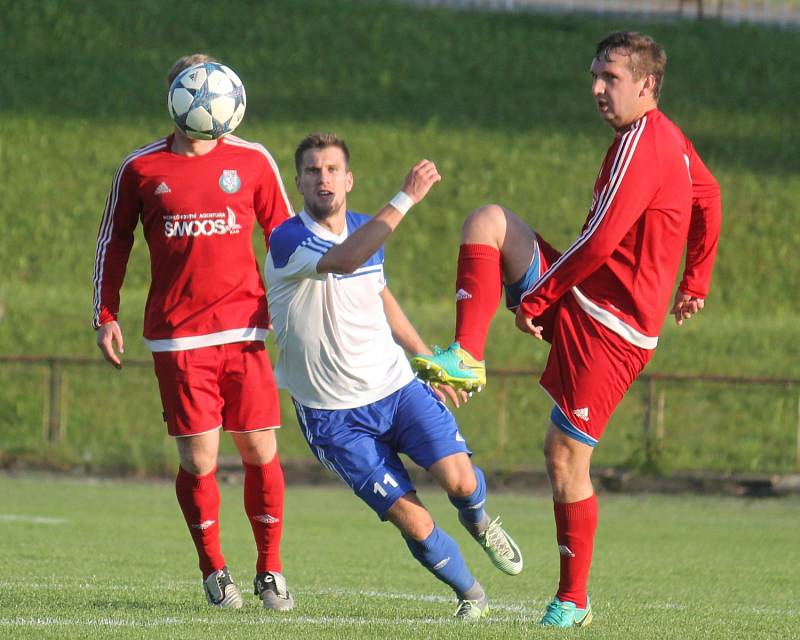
pixel 665 566
pixel 530 607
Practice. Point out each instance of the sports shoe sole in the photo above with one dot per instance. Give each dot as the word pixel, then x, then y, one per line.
pixel 432 372
pixel 484 613
pixel 585 621
pixel 511 567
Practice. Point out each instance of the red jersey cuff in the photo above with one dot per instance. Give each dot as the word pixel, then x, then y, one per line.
pixel 530 309
pixel 105 317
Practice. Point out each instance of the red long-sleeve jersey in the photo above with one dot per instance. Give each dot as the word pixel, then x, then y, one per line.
pixel 652 198
pixel 198 215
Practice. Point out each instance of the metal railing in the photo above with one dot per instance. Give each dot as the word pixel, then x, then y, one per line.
pixel 654 399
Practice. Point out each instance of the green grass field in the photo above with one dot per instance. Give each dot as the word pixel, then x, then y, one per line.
pixel 501 104
pixel 103 559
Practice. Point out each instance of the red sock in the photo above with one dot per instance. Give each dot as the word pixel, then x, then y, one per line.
pixel 198 497
pixel 263 503
pixel 576 523
pixel 479 285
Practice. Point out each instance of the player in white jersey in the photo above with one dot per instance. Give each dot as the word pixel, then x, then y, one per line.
pixel 341 335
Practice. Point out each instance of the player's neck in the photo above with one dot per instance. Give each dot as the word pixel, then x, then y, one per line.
pixel 646 107
pixel 184 146
pixel 335 222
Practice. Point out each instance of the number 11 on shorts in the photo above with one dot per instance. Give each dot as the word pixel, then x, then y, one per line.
pixel 387 479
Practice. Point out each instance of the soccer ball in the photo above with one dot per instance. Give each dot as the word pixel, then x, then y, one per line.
pixel 206 101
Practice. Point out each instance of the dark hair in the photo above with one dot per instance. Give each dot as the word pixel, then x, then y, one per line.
pixel 645 55
pixel 185 62
pixel 319 141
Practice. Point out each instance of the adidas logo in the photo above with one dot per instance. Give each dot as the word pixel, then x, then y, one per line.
pixel 583 414
pixel 564 550
pixel 203 525
pixel 162 189
pixel 461 294
pixel 267 519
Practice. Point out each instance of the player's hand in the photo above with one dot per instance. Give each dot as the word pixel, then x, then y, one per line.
pixel 525 324
pixel 109 335
pixel 445 392
pixel 420 180
pixel 685 306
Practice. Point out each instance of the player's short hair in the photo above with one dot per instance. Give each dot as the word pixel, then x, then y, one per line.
pixel 645 55
pixel 184 62
pixel 319 141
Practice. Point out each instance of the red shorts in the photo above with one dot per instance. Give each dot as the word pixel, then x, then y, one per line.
pixel 589 368
pixel 227 385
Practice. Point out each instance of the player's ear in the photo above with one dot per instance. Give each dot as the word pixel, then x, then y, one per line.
pixel 648 86
pixel 297 185
pixel 350 180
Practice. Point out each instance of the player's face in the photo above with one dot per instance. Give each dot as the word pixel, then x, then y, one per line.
pixel 324 182
pixel 620 99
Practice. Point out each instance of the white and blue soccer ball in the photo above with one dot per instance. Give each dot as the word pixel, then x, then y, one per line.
pixel 206 101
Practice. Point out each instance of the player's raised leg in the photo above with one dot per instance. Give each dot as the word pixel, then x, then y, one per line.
pixel 466 487
pixel 439 554
pixel 575 509
pixel 263 503
pixel 198 496
pixel 496 247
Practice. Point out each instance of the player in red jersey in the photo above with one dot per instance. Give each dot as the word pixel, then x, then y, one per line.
pixel 205 322
pixel 600 303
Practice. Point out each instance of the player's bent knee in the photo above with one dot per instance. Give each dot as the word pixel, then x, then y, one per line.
pixel 411 518
pixel 484 224
pixel 489 215
pixel 463 486
pixel 455 474
pixel 198 466
pixel 256 447
pixel 197 460
pixel 559 459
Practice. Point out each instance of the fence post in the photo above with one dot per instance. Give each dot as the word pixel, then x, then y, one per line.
pixel 54 419
pixel 658 445
pixel 649 459
pixel 797 453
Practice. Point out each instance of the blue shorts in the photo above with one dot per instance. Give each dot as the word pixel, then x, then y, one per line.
pixel 361 445
pixel 516 290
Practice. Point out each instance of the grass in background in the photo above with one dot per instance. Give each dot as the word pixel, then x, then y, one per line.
pixel 744 428
pixel 502 105
pixel 111 559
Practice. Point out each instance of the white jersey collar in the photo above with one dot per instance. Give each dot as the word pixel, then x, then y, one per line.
pixel 322 232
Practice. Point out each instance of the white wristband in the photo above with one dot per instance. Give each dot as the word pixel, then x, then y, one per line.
pixel 402 202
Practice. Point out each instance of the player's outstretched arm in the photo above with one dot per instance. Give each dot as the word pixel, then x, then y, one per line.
pixel 353 252
pixel 685 306
pixel 109 335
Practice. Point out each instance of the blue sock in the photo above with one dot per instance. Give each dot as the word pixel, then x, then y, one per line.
pixel 440 555
pixel 470 509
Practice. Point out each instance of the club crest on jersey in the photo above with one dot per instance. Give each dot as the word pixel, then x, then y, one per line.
pixel 229 181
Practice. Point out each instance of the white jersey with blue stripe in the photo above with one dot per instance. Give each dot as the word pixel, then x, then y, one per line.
pixel 336 346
